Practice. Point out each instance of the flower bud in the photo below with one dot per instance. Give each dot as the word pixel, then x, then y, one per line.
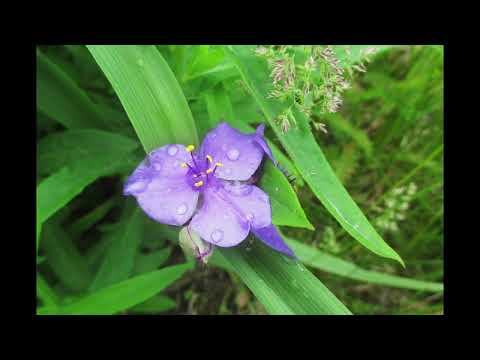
pixel 193 246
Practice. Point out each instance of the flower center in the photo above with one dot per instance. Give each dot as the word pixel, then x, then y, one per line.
pixel 200 173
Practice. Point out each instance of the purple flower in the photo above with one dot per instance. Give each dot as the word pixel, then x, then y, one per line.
pixel 210 186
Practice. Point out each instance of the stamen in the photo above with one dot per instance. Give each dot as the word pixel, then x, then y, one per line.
pixel 193 159
pixel 218 164
pixel 184 165
pixel 190 148
pixel 198 184
pixel 209 158
pixel 209 171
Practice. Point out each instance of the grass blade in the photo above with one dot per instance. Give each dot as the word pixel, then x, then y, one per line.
pixel 149 262
pixel 74 175
pixel 149 92
pixel 46 293
pixel 64 258
pixel 286 209
pixel 334 265
pixel 308 156
pixel 59 97
pixel 284 286
pixel 124 295
pixel 119 258
pixel 154 305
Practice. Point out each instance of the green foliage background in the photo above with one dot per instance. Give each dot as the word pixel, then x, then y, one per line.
pixel 99 254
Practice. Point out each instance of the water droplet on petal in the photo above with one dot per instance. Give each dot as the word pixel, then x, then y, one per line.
pixel 250 216
pixel 157 166
pixel 182 209
pixel 217 235
pixel 172 150
pixel 228 171
pixel 233 154
pixel 176 163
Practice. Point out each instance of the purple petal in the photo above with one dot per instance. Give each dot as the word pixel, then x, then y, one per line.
pixel 271 237
pixel 160 186
pixel 217 222
pixel 239 153
pixel 260 140
pixel 250 202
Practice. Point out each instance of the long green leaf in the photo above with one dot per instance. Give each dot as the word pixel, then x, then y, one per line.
pixel 151 261
pixel 92 147
pixel 119 259
pixel 46 293
pixel 64 258
pixel 286 209
pixel 154 305
pixel 88 220
pixel 284 286
pixel 334 265
pixel 59 97
pixel 307 155
pixel 149 92
pixel 124 295
pixel 74 175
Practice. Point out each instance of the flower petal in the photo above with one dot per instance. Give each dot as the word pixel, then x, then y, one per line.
pixel 250 202
pixel 260 140
pixel 217 222
pixel 239 153
pixel 271 237
pixel 160 186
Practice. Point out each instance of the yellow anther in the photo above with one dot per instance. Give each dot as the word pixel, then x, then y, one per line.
pixel 209 171
pixel 209 158
pixel 198 184
pixel 190 148
pixel 218 164
pixel 184 165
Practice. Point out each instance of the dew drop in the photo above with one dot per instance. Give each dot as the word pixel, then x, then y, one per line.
pixel 157 166
pixel 228 171
pixel 176 163
pixel 250 216
pixel 217 235
pixel 140 62
pixel 172 150
pixel 182 209
pixel 233 154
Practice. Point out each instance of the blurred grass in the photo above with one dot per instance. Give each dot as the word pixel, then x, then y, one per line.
pixel 387 135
